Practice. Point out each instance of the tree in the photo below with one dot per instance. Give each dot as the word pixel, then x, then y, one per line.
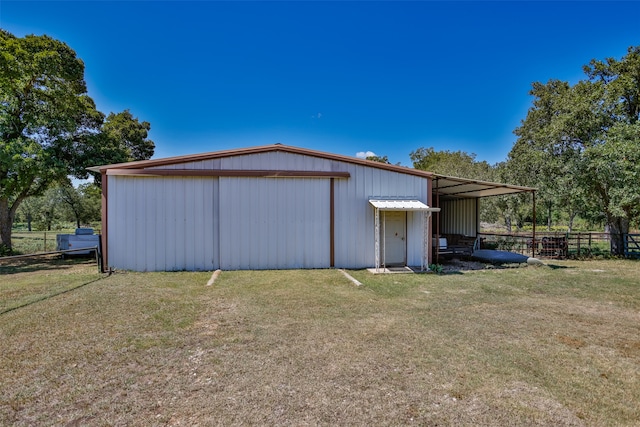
pixel 543 156
pixel 80 205
pixel 122 138
pixel 465 165
pixel 49 126
pixel 580 144
pixel 512 209
pixel 379 159
pixel 452 163
pixel 28 211
pixel 382 159
pixel 41 212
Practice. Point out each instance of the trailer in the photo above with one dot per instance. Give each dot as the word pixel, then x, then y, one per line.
pixel 84 240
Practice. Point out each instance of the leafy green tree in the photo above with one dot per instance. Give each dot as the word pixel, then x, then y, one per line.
pixel 452 163
pixel 510 209
pixel 380 159
pixel 49 126
pixel 80 205
pixel 580 144
pixel 41 212
pixel 44 104
pixel 122 138
pixel 27 211
pixel 544 155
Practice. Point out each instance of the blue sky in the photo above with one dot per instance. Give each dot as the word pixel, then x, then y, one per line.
pixel 342 77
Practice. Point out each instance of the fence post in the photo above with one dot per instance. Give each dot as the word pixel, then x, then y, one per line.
pixel 44 249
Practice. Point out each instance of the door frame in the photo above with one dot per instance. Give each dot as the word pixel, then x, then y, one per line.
pixel 383 239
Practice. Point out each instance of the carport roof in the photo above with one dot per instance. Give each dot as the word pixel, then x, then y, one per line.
pixel 454 187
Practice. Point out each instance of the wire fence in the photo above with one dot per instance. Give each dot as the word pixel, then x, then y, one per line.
pixel 551 244
pixel 94 252
pixel 31 242
pixel 41 248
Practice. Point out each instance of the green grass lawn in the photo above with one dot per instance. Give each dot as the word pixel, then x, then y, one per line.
pixel 31 242
pixel 555 345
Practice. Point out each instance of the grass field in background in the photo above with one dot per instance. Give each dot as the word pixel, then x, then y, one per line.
pixel 31 242
pixel 553 345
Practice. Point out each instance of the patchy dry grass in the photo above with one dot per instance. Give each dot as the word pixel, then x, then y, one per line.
pixel 526 346
pixel 26 281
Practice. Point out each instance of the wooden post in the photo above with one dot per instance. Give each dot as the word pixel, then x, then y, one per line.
pixel 533 238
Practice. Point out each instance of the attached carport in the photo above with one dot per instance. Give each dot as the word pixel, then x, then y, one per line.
pixel 458 200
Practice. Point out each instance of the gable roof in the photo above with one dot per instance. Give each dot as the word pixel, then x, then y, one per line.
pixel 142 164
pixel 446 186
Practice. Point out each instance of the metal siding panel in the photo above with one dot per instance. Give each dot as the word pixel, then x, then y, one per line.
pixel 226 221
pixel 274 223
pixel 177 224
pixel 229 214
pixel 458 217
pixel 203 219
pixel 237 212
pixel 113 219
pixel 140 243
pixel 415 238
pixel 162 224
pixel 170 187
pixel 129 225
pixel 276 161
pixel 159 229
pixel 355 216
pixel 214 204
pixel 147 226
pixel 262 161
pixel 190 222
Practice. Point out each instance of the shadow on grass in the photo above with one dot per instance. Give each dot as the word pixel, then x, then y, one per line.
pixel 31 265
pixel 558 267
pixel 49 296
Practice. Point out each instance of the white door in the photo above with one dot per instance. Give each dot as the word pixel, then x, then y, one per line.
pixel 393 244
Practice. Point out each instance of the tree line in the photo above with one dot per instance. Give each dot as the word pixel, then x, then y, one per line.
pixel 50 129
pixel 579 144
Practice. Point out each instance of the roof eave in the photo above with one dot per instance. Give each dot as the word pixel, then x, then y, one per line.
pixel 141 164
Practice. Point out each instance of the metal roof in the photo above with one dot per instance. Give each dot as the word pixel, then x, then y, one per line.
pixel 445 186
pixel 401 205
pixel 454 187
pixel 144 164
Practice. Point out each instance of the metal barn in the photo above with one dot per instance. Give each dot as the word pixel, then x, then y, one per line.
pixel 268 207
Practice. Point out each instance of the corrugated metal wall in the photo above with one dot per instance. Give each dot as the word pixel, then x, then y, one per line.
pixel 272 223
pixel 354 216
pixel 172 223
pixel 158 224
pixel 459 217
pixel 415 238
